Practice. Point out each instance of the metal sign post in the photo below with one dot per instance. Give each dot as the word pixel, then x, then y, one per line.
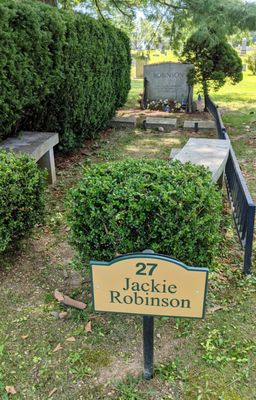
pixel 148 340
pixel 148 346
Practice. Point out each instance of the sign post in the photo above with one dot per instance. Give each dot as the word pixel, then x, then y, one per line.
pixel 149 284
pixel 148 346
pixel 148 341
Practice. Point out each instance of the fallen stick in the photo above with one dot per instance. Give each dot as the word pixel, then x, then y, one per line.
pixel 63 299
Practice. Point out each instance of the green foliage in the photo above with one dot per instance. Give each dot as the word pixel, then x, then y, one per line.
pixel 220 349
pixel 3 394
pixel 22 187
pixel 129 391
pixel 172 19
pixel 214 59
pixel 251 61
pixel 172 371
pixel 131 205
pixel 59 71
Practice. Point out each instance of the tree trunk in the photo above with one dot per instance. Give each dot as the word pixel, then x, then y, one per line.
pixel 205 89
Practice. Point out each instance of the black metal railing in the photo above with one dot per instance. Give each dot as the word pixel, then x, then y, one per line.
pixel 241 201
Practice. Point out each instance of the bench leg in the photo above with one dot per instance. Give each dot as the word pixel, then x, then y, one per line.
pixel 47 161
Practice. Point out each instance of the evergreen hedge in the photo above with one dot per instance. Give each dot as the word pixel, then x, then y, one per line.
pixel 22 187
pixel 133 205
pixel 59 71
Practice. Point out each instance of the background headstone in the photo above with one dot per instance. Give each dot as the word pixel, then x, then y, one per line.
pixel 139 68
pixel 244 46
pixel 244 67
pixel 168 81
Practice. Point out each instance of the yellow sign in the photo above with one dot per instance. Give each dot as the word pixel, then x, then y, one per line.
pixel 149 284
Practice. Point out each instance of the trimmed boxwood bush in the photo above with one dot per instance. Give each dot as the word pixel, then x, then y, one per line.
pixel 132 205
pixel 22 187
pixel 59 71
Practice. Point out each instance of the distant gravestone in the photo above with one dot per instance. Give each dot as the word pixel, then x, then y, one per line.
pixel 168 81
pixel 244 67
pixel 139 67
pixel 244 46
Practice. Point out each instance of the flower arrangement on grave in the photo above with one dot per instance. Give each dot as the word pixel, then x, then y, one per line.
pixel 166 105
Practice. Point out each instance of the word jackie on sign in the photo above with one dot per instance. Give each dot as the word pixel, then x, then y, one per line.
pixel 149 284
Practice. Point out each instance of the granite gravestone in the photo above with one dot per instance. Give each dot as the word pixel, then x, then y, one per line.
pixel 168 81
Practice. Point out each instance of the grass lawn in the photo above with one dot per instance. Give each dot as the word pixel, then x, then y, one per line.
pixel 238 104
pixel 47 351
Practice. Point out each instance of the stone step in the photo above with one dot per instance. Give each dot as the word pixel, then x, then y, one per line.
pixel 165 123
pixel 123 122
pixel 199 125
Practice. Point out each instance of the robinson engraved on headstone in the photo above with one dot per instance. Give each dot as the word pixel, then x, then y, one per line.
pixel 168 81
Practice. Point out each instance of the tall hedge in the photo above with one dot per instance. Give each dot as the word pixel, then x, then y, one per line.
pixel 59 71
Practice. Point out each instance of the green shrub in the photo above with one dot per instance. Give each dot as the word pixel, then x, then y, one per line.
pixel 131 205
pixel 215 60
pixel 59 71
pixel 251 61
pixel 21 197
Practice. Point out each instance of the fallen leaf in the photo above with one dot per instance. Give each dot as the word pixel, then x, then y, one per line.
pixel 88 327
pixel 10 390
pixel 58 295
pixel 57 348
pixel 63 299
pixel 65 274
pixel 85 152
pixel 55 314
pixel 158 335
pixel 52 392
pixel 24 337
pixel 213 309
pixel 71 339
pixel 74 303
pixel 63 314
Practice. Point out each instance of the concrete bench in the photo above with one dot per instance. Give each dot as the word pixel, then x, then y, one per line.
pixel 38 145
pixel 174 152
pixel 212 153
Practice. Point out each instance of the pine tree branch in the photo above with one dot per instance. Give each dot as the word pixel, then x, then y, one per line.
pixel 120 10
pixel 97 4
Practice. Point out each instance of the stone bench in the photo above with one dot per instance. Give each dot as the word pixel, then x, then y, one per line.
pixel 212 153
pixel 174 152
pixel 38 145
